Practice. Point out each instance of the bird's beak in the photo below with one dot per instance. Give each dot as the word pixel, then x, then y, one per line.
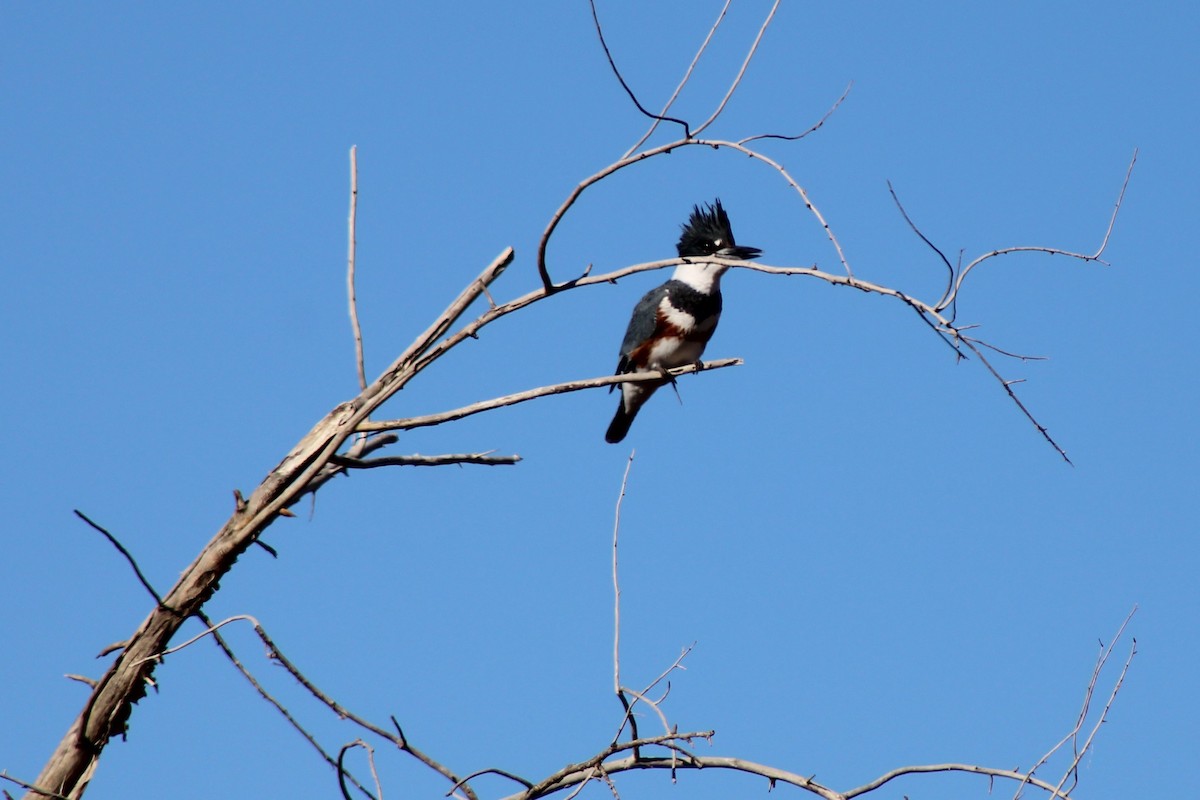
pixel 745 253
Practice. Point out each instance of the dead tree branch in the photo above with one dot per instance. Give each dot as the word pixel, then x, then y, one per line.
pixel 128 556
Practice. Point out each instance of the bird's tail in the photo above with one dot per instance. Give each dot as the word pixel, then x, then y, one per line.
pixel 619 427
pixel 633 397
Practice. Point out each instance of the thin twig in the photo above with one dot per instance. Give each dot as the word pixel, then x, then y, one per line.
pixel 1007 385
pixel 628 715
pixel 32 787
pixel 962 275
pixel 676 664
pixel 353 243
pixel 687 75
pixel 258 687
pixel 687 134
pixel 210 628
pixel 128 557
pixel 436 766
pixel 1015 775
pixel 816 126
pixel 489 771
pixel 1079 752
pixel 925 239
pixel 615 579
pixel 741 72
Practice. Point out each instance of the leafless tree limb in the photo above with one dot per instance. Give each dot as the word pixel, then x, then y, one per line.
pixel 262 691
pixel 1072 771
pixel 490 771
pixel 33 787
pixel 607 54
pixel 417 460
pixel 352 246
pixel 128 556
pixel 1054 251
pixel 741 72
pixel 617 607
pixel 687 75
pixel 543 391
pixel 816 126
pixel 969 768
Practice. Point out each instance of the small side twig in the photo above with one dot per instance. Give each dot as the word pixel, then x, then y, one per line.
pixel 31 787
pixel 128 557
pixel 816 126
pixel 925 239
pixel 343 773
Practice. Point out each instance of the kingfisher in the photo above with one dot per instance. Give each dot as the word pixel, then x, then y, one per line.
pixel 672 323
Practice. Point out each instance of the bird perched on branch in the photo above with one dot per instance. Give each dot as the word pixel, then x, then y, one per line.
pixel 672 324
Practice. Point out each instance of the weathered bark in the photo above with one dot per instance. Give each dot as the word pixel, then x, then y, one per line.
pixel 107 711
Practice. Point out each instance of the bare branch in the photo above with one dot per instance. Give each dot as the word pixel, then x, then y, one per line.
pixel 1073 736
pixel 970 768
pixel 157 657
pixel 417 460
pixel 970 343
pixel 32 787
pixel 616 581
pixel 128 556
pixel 353 243
pixel 575 773
pixel 925 239
pixel 84 679
pixel 657 117
pixel 741 72
pixel 1002 352
pixel 490 771
pixel 436 766
pixel 816 126
pixel 1054 251
pixel 532 394
pixel 687 75
pixel 287 715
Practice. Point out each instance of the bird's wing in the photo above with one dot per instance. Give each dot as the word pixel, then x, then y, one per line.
pixel 642 325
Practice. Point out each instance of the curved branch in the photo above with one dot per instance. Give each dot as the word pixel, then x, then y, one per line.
pixel 887 777
pixel 687 134
pixel 816 126
pixel 581 772
pixel 1054 251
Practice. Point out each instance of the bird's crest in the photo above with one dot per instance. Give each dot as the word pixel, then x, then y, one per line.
pixel 706 231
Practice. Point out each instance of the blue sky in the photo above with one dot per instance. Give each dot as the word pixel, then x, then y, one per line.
pixel 880 561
